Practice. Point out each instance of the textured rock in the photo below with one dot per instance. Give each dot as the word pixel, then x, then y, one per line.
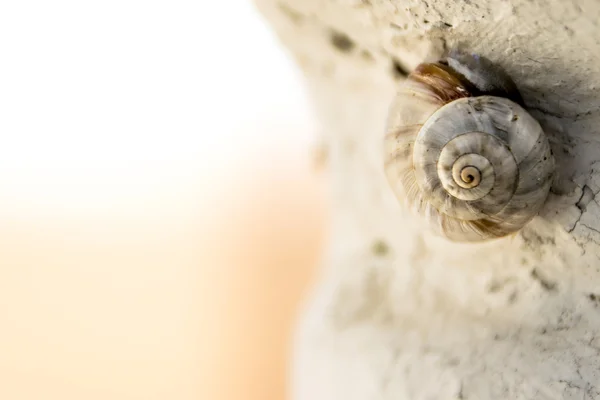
pixel 398 313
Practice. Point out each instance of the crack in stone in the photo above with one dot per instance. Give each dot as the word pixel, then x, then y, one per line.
pixel 587 195
pixel 545 283
pixel 460 395
pixel 593 238
pixel 589 114
pixel 576 222
pixel 294 15
pixel 590 228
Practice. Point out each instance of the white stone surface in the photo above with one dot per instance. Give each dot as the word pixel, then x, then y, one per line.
pixel 400 314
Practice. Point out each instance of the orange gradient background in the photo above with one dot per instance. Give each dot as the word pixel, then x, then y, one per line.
pixel 160 221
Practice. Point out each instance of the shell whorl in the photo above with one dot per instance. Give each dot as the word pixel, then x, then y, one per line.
pixel 474 166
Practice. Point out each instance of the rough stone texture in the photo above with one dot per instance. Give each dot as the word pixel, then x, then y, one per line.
pixel 398 313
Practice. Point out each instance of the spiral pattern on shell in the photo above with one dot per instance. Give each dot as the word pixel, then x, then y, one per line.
pixel 474 166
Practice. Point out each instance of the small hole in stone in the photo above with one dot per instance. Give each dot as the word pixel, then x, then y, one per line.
pixel 342 42
pixel 380 248
pixel 398 69
pixel 366 55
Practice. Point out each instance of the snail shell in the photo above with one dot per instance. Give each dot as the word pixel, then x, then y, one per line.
pixel 463 153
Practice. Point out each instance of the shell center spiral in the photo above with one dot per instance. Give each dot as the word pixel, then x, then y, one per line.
pixel 470 177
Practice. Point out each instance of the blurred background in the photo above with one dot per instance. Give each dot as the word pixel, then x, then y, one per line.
pixel 161 217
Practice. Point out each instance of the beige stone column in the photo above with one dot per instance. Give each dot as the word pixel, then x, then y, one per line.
pixel 398 313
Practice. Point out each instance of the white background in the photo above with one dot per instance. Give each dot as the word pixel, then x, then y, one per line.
pixel 158 216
